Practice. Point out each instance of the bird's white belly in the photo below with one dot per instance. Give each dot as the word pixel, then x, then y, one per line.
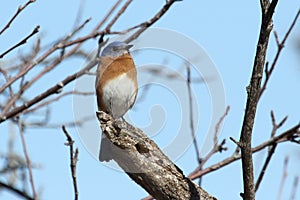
pixel 119 95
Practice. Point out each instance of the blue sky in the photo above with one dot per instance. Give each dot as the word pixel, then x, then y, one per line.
pixel 226 31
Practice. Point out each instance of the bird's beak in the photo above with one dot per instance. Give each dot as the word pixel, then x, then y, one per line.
pixel 129 46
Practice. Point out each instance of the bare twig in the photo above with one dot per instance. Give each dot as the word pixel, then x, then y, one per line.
pixel 287 135
pixel 46 103
pixel 23 41
pixel 77 29
pixel 53 90
pixel 150 22
pixel 283 179
pixel 28 162
pixel 46 125
pixel 16 191
pixel 118 15
pixel 20 9
pixel 271 149
pixel 280 46
pixel 294 189
pixel 217 147
pixel 109 13
pixel 73 160
pixel 188 83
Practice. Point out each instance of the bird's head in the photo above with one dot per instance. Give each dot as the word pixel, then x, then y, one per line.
pixel 116 49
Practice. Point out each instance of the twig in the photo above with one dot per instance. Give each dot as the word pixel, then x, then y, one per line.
pixel 252 101
pixel 150 22
pixel 16 191
pixel 112 9
pixel 73 160
pixel 28 162
pixel 284 175
pixel 45 103
pixel 77 29
pixel 20 9
pixel 271 149
pixel 188 84
pixel 217 147
pixel 46 125
pixel 294 189
pixel 118 15
pixel 46 69
pixel 53 90
pixel 23 41
pixel 280 46
pixel 287 135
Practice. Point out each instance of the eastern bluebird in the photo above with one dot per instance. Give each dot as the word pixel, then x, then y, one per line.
pixel 116 86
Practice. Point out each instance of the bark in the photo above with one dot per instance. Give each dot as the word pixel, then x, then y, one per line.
pixel 146 164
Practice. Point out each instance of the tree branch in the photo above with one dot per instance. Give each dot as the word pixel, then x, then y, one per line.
pixel 280 46
pixel 288 135
pixel 28 162
pixel 73 160
pixel 16 191
pixel 271 149
pixel 20 9
pixel 145 163
pixel 23 41
pixel 253 96
pixel 284 176
pixel 57 88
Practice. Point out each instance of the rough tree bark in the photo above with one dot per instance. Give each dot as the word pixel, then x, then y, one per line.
pixel 146 164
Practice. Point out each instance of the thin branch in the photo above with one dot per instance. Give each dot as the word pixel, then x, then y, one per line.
pixel 112 9
pixel 294 189
pixel 118 15
pixel 28 162
pixel 77 29
pixel 20 9
pixel 217 147
pixel 284 175
pixel 264 168
pixel 16 191
pixel 287 135
pixel 46 103
pixel 271 149
pixel 73 160
pixel 23 41
pixel 280 46
pixel 52 90
pixel 150 22
pixel 191 119
pixel 46 125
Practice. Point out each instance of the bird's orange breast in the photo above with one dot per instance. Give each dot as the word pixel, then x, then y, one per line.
pixel 109 69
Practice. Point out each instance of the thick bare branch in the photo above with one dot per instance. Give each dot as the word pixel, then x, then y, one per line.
pixel 145 163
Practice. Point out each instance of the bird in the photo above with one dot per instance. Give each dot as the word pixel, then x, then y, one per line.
pixel 116 86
